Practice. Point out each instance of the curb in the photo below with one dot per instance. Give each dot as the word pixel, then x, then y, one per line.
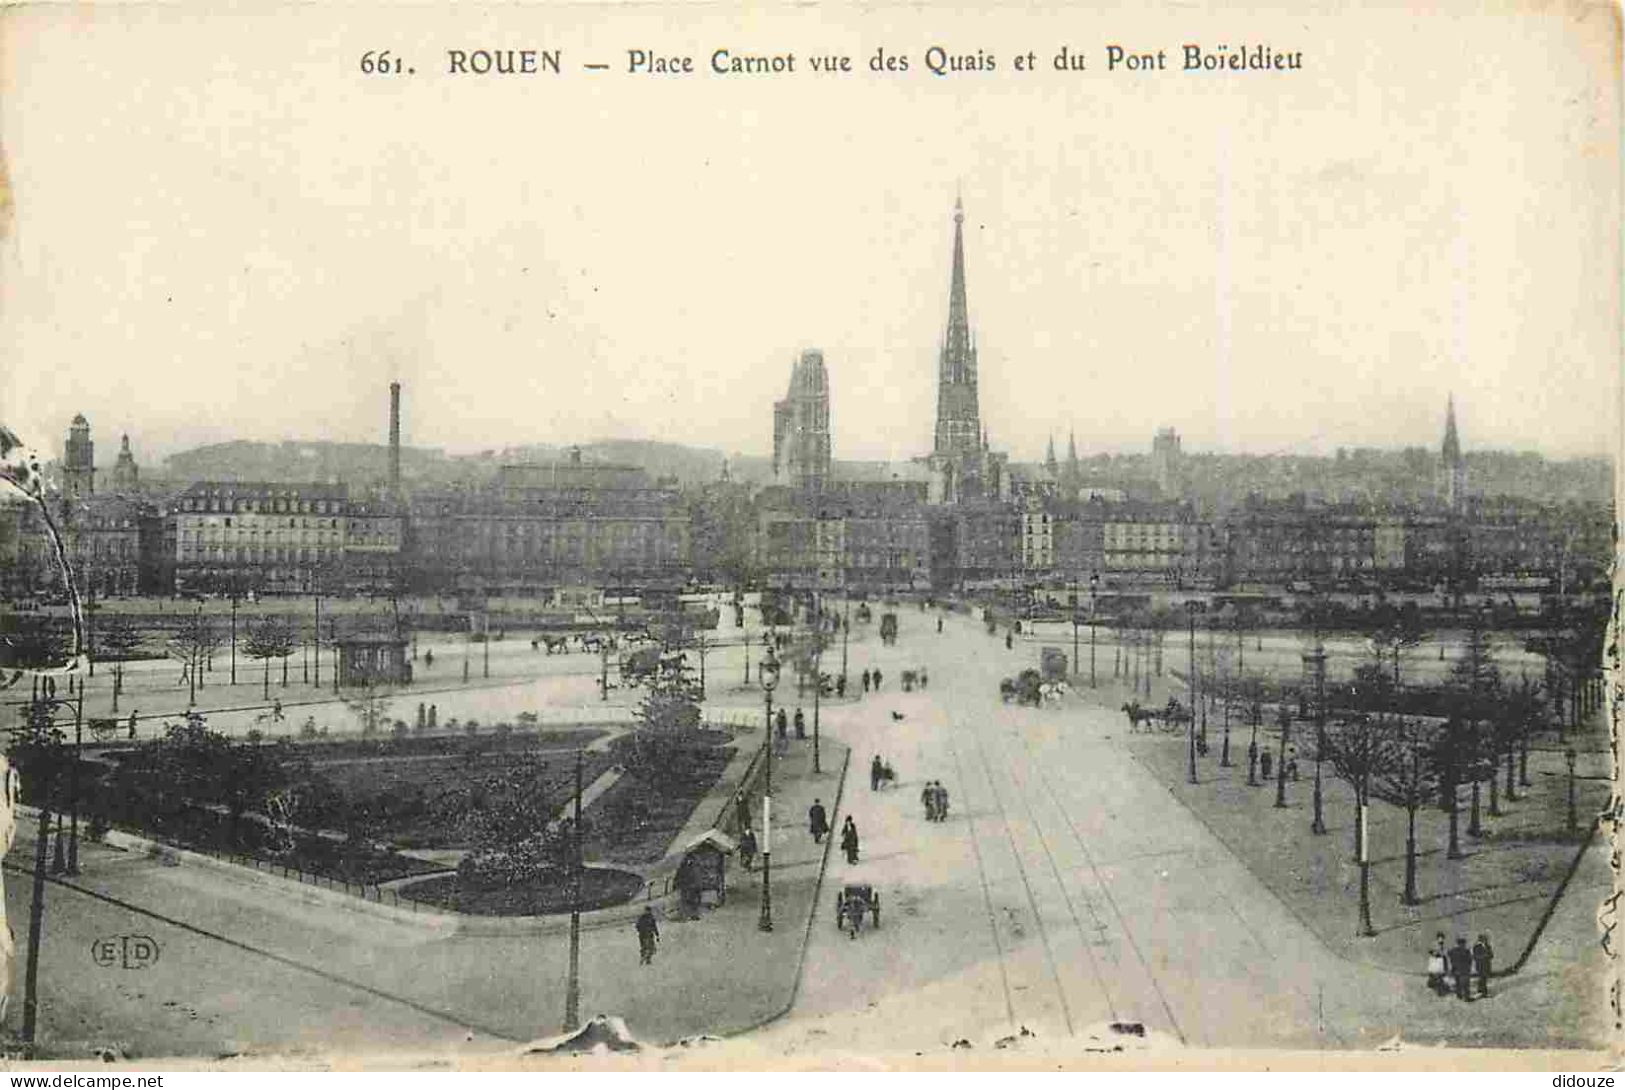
pixel 1551 906
pixel 812 914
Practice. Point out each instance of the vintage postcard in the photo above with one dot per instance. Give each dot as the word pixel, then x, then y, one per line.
pixel 823 535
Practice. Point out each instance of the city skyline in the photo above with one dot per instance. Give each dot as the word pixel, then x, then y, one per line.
pixel 1258 295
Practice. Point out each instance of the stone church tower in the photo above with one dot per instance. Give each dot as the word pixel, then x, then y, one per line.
pixel 79 460
pixel 801 450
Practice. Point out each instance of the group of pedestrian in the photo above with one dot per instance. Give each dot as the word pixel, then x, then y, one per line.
pixel 871 679
pixel 1454 967
pixel 935 798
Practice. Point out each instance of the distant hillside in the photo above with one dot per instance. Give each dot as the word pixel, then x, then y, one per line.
pixel 291 461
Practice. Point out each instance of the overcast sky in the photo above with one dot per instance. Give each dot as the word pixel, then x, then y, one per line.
pixel 221 229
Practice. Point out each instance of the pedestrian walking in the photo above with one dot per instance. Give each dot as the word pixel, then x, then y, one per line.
pixel 939 626
pixel 648 936
pixel 1292 763
pixel 1265 763
pixel 132 724
pixel 923 677
pixel 877 769
pixel 434 716
pixel 840 685
pixel 1483 962
pixel 928 799
pixel 1252 762
pixel 866 681
pixel 1437 966
pixel 741 810
pixel 747 848
pixel 942 802
pixel 849 840
pixel 817 821
pixel 877 680
pixel 801 725
pixel 1461 969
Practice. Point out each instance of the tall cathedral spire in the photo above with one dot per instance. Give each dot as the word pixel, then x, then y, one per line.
pixel 959 428
pixel 1452 442
pixel 1453 470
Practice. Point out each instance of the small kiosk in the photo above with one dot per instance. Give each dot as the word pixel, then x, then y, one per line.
pixel 373 658
pixel 703 869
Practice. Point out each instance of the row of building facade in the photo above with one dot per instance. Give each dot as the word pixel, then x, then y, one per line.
pixel 576 523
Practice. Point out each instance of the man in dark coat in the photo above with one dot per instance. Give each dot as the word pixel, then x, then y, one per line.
pixel 1483 962
pixel 783 723
pixel 741 810
pixel 747 848
pixel 849 840
pixel 875 771
pixel 877 681
pixel 866 681
pixel 928 798
pixel 801 724
pixel 817 821
pixel 648 936
pixel 1461 968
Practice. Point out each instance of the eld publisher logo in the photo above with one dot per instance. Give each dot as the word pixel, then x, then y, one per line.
pixel 124 951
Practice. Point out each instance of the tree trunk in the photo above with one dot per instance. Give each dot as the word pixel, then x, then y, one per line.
pixel 1453 851
pixel 1512 786
pixel 1523 760
pixel 1473 827
pixel 1495 793
pixel 267 689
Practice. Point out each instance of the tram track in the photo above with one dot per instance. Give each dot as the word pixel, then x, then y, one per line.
pixel 1026 882
pixel 1094 869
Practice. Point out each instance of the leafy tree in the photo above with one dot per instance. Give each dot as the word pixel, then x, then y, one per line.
pixel 1473 690
pixel 661 749
pixel 507 815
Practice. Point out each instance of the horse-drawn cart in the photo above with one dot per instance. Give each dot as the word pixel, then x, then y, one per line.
pixel 850 905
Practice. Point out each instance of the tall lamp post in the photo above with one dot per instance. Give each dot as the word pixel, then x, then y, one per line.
pixel 1094 589
pixel 1574 818
pixel 818 684
pixel 1077 667
pixel 768 671
pixel 1192 608
pixel 1285 720
pixel 1317 661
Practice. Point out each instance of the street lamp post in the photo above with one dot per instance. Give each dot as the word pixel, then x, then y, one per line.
pixel 1574 818
pixel 1191 608
pixel 1285 719
pixel 768 671
pixel 818 686
pixel 73 784
pixel 1318 660
pixel 1094 587
pixel 1077 667
pixel 234 634
pixel 572 992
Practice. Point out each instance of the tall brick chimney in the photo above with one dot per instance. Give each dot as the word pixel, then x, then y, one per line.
pixel 394 440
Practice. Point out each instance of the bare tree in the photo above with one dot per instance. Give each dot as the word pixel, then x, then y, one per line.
pixel 1360 749
pixel 270 638
pixel 1406 781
